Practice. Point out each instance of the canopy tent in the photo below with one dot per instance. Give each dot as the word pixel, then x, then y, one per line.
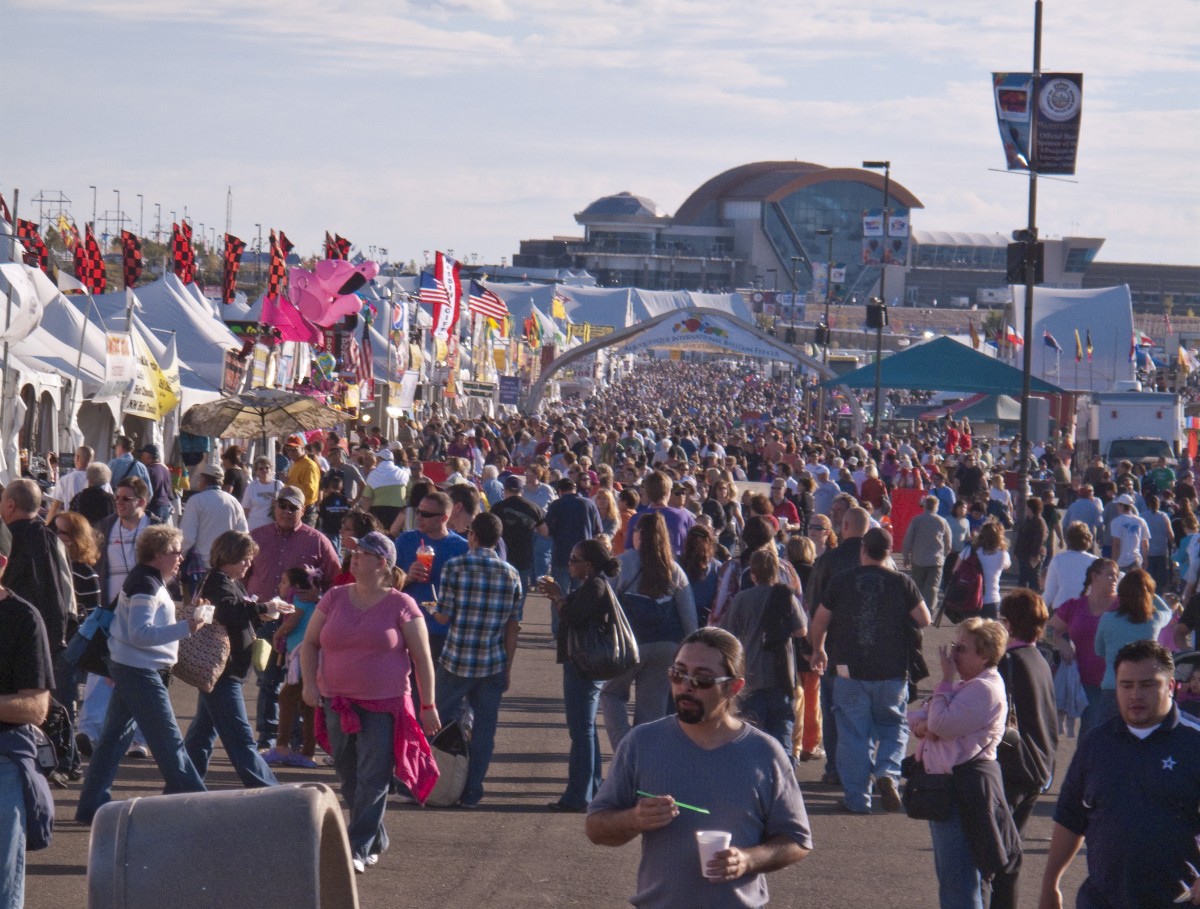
pixel 615 307
pixel 980 408
pixel 944 364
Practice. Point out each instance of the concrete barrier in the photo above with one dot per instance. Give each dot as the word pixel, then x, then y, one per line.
pixel 280 846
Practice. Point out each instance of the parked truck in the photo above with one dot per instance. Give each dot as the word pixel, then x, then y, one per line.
pixel 1137 426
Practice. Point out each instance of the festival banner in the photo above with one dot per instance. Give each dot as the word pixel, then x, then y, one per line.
pixel 233 373
pixel 1049 114
pixel 142 398
pixel 510 390
pixel 890 248
pixel 408 389
pixel 445 312
pixel 166 380
pixel 120 366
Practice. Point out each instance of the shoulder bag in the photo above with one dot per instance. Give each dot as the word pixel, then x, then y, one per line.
pixel 605 647
pixel 1012 754
pixel 964 592
pixel 203 654
pixel 926 796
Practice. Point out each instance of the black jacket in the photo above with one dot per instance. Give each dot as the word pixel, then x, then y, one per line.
pixel 987 822
pixel 1030 686
pixel 240 616
pixel 39 573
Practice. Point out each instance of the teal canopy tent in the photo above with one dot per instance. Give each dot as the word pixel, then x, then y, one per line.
pixel 943 364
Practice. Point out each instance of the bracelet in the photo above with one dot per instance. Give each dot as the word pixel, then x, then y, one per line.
pixel 428 706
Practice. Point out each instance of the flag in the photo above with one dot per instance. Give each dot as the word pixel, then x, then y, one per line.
pixel 1089 345
pixel 89 264
pixel 484 302
pixel 183 257
pixel 1133 345
pixel 67 232
pixel 277 275
pixel 68 283
pixel 1184 366
pixel 974 334
pixel 233 261
pixel 1143 339
pixel 35 250
pixel 1050 341
pixel 430 294
pixel 131 258
pixel 445 314
pixel 1012 336
pixel 5 214
pixel 557 309
pixel 533 332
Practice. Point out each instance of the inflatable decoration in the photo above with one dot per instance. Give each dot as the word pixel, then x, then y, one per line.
pixel 326 294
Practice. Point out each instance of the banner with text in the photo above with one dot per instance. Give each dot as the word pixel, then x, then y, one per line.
pixel 1048 114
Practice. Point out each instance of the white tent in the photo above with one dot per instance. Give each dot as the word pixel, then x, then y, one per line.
pixel 1105 312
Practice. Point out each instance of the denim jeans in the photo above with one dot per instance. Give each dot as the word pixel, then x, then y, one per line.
pixel 829 730
pixel 541 555
pixel 528 583
pixel 870 718
pixel 958 878
pixel 96 695
pixel 266 705
pixel 653 691
pixel 580 697
pixel 365 763
pixel 483 694
pixel 12 836
pixel 223 712
pixel 772 711
pixel 138 694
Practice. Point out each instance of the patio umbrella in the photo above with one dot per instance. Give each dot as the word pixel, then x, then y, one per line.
pixel 263 411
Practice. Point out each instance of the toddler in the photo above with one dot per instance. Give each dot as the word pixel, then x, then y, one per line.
pixel 299 587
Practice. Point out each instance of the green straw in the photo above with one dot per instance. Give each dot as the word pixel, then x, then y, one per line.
pixel 650 795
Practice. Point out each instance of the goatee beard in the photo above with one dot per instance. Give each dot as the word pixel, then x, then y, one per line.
pixel 689 711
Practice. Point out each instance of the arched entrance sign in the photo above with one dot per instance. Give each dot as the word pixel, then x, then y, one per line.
pixel 697 328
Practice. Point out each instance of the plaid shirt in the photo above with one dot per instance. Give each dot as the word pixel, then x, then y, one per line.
pixel 481 594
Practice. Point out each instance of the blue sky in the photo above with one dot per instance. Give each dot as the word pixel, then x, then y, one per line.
pixel 471 124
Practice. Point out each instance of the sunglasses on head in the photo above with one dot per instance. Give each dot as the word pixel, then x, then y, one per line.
pixel 700 682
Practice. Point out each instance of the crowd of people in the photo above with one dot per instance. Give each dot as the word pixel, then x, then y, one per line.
pixel 777 599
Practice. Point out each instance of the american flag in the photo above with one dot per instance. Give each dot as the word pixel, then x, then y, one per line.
pixel 484 302
pixel 432 294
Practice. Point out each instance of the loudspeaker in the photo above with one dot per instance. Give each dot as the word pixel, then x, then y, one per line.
pixel 877 315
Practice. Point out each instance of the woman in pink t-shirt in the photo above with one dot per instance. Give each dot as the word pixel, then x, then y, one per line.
pixel 355 660
pixel 1075 623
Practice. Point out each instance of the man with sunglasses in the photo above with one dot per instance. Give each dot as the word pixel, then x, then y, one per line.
pixel 287 542
pixel 706 757
pixel 433 517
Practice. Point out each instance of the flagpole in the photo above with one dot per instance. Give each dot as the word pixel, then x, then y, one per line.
pixel 8 316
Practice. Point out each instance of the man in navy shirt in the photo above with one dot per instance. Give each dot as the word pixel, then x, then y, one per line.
pixel 570 519
pixel 1133 794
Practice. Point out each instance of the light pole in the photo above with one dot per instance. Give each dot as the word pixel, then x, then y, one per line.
pixel 141 215
pixel 157 222
pixel 258 252
pixel 120 223
pixel 93 189
pixel 827 334
pixel 886 167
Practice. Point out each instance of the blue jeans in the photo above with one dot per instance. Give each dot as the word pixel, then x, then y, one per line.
pixel 138 694
pixel 580 697
pixel 958 878
pixel 223 712
pixel 829 731
pixel 772 711
pixel 541 555
pixel 528 582
pixel 365 763
pixel 483 694
pixel 266 705
pixel 1093 714
pixel 653 691
pixel 12 836
pixel 871 719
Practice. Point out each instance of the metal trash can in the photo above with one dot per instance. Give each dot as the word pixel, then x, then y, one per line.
pixel 279 846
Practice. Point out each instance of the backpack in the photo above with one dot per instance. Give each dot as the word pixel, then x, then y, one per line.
pixel 964 593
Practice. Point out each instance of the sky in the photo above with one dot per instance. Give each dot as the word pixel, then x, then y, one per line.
pixel 417 125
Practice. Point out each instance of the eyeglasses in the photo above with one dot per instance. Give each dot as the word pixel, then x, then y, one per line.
pixel 174 553
pixel 699 682
pixel 287 506
pixel 430 514
pixel 959 648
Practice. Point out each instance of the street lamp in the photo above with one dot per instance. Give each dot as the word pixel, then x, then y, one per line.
pixel 886 167
pixel 827 334
pixel 93 189
pixel 157 222
pixel 141 215
pixel 120 223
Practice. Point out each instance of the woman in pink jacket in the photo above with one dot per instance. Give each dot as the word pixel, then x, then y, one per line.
pixel 962 722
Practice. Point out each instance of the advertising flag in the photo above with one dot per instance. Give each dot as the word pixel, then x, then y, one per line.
pixel 131 257
pixel 120 366
pixel 1039 124
pixel 445 312
pixel 233 261
pixel 557 309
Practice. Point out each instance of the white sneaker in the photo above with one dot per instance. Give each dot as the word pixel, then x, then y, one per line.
pixel 138 751
pixel 373 859
pixel 359 867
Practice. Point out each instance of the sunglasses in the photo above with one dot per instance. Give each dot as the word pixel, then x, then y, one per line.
pixel 959 648
pixel 699 682
pixel 127 498
pixel 287 506
pixel 430 514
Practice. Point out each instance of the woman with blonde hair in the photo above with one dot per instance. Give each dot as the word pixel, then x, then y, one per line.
pixel 610 513
pixel 820 531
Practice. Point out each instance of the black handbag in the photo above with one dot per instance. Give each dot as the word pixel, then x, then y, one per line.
pixel 1016 767
pixel 926 796
pixel 604 648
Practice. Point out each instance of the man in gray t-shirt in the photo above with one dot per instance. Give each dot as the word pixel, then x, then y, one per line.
pixel 706 757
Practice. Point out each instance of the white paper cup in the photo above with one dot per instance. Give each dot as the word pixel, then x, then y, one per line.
pixel 204 613
pixel 710 842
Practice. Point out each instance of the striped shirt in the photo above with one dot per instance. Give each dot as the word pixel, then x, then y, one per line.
pixel 481 594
